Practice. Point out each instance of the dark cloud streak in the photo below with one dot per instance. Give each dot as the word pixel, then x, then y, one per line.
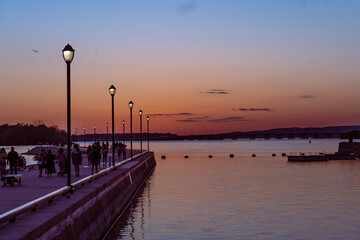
pixel 169 114
pixel 307 96
pixel 252 109
pixel 228 119
pixel 216 91
pixel 193 119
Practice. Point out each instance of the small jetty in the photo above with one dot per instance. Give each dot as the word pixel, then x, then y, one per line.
pixel 320 158
pixel 308 158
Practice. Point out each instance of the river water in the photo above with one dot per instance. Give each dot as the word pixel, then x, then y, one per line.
pixel 244 197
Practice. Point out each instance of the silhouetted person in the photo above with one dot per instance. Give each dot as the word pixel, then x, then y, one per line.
pixel 12 158
pixel 105 154
pixel 76 159
pixel 123 150
pixel 88 154
pixel 61 161
pixel 50 163
pixel 95 157
pixel 3 157
pixel 41 161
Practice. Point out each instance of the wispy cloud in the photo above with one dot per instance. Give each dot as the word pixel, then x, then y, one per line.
pixel 169 114
pixel 252 109
pixel 34 50
pixel 215 91
pixel 193 119
pixel 229 119
pixel 306 96
pixel 186 7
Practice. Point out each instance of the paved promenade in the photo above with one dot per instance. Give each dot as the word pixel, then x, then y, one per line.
pixel 33 187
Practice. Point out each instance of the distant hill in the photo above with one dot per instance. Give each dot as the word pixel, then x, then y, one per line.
pixel 294 132
pixel 297 130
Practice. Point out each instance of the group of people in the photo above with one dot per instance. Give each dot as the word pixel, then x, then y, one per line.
pixel 97 151
pixel 13 159
pixel 46 160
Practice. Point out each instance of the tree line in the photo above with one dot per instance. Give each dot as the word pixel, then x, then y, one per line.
pixel 28 134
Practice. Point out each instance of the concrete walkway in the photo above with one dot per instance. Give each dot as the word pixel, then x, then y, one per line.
pixel 32 186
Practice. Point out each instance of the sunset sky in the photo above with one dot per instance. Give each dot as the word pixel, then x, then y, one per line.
pixel 195 67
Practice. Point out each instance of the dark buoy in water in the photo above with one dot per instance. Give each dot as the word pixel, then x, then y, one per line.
pixel 231 155
pixel 274 155
pixel 186 156
pixel 254 155
pixel 283 154
pixel 163 157
pixel 210 156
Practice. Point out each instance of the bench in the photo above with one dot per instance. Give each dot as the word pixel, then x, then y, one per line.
pixel 11 179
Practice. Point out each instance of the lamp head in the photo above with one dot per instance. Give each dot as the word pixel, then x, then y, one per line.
pixel 148 118
pixel 68 53
pixel 131 104
pixel 140 112
pixel 112 90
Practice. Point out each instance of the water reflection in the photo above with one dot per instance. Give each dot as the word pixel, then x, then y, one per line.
pixel 127 224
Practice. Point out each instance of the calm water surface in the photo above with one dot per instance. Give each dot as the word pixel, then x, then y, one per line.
pixel 244 197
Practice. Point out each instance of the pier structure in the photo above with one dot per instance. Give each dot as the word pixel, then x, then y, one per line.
pixel 45 208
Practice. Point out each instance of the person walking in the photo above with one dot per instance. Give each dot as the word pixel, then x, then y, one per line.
pixel 12 159
pixel 88 154
pixel 41 161
pixel 123 151
pixel 61 161
pixel 105 153
pixel 3 157
pixel 95 158
pixel 50 163
pixel 77 159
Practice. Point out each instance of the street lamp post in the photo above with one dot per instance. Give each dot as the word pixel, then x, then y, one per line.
pixel 84 137
pixel 131 104
pixel 112 91
pixel 95 133
pixel 148 119
pixel 123 122
pixel 140 113
pixel 68 55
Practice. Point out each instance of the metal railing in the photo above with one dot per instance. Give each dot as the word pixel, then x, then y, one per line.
pixel 11 215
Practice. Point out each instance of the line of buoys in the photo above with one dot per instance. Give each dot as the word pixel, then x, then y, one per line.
pixel 210 156
pixel 186 156
pixel 163 157
pixel 254 155
pixel 274 155
pixel 231 155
